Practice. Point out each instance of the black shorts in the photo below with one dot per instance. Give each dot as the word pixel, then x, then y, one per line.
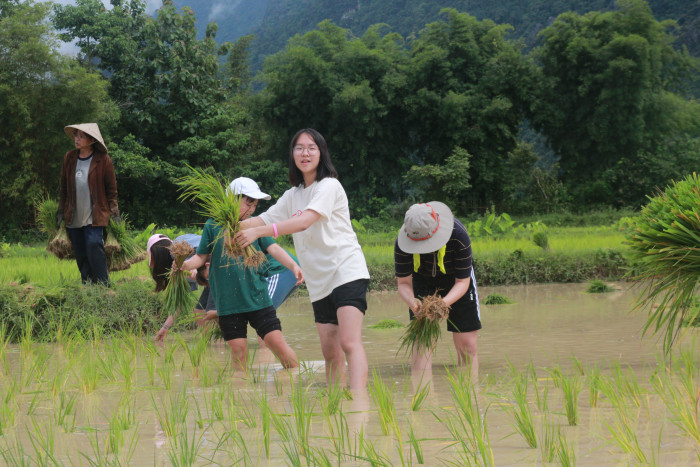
pixel 464 313
pixel 206 300
pixel 351 294
pixel 235 326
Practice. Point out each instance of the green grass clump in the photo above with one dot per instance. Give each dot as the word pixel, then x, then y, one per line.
pixel 665 243
pixel 497 299
pixel 387 324
pixel 598 286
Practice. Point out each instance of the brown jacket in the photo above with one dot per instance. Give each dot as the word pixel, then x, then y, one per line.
pixel 102 183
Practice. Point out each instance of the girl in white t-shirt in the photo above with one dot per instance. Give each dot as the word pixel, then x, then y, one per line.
pixel 315 211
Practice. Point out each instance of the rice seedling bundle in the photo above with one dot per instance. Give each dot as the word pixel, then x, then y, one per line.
pixel 58 242
pixel 424 331
pixel 223 207
pixel 178 297
pixel 120 247
pixel 665 243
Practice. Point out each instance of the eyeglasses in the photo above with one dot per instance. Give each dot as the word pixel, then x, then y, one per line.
pixel 301 149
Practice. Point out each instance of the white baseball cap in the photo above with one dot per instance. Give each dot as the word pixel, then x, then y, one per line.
pixel 247 186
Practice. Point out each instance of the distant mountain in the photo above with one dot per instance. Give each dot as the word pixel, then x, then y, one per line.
pixel 235 18
pixel 274 21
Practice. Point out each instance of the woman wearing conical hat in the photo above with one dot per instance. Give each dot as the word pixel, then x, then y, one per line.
pixel 88 199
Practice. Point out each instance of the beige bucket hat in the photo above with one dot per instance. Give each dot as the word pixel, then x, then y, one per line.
pixel 427 227
pixel 89 129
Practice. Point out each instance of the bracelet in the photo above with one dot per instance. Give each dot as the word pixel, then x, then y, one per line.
pixel 274 229
pixel 166 327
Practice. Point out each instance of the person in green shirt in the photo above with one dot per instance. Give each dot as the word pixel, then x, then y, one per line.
pixel 240 293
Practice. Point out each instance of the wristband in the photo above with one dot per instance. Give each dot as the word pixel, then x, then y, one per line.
pixel 274 229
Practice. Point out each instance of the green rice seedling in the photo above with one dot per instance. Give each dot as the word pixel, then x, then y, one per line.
pixel 15 456
pixel 195 351
pixel 415 444
pixel 4 340
pixel 571 387
pixel 549 437
pixel 8 407
pixel 223 206
pixel 128 251
pixel 387 324
pixel 664 245
pixel 165 372
pixel 331 398
pixel 593 382
pixel 266 416
pixel 34 403
pixel 521 412
pixel 149 359
pixel 374 457
pixel 169 355
pixel 565 452
pixel 626 383
pixel 26 341
pixel 234 440
pixel 420 396
pixel 42 439
pixel 172 412
pixel 100 456
pixel 598 286
pixel 88 374
pixel 64 412
pixel 319 458
pixel 497 299
pixel 578 365
pixel 302 407
pixel 338 433
pixel 540 398
pixel 422 334
pixel 125 367
pixel 185 451
pixel 682 402
pixel 199 420
pixel 177 298
pixel 465 422
pixel 555 375
pixel 37 368
pixel 216 404
pixel 624 436
pixel 383 398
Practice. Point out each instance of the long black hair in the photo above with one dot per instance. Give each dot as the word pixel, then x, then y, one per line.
pixel 325 166
pixel 161 262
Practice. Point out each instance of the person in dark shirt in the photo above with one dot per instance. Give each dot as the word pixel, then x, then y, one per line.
pixel 433 254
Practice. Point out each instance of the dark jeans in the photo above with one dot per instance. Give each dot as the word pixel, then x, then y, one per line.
pixel 89 249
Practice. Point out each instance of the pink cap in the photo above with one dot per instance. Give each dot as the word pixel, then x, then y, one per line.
pixel 153 239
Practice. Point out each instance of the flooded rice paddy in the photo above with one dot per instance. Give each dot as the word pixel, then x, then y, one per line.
pixel 565 378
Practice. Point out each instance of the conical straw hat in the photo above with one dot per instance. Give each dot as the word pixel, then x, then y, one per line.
pixel 88 128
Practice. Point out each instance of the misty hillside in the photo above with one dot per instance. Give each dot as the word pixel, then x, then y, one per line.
pixel 274 21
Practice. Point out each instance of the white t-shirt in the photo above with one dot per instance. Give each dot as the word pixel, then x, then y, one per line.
pixel 328 251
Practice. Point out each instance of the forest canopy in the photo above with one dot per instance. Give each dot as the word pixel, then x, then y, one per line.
pixel 598 114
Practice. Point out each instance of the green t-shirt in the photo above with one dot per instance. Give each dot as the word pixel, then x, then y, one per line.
pixel 236 289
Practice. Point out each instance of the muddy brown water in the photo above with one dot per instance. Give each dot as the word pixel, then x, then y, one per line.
pixel 549 326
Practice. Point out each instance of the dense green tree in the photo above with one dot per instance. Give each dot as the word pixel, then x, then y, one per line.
pixel 40 93
pixel 350 89
pixel 608 83
pixel 165 80
pixel 467 88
